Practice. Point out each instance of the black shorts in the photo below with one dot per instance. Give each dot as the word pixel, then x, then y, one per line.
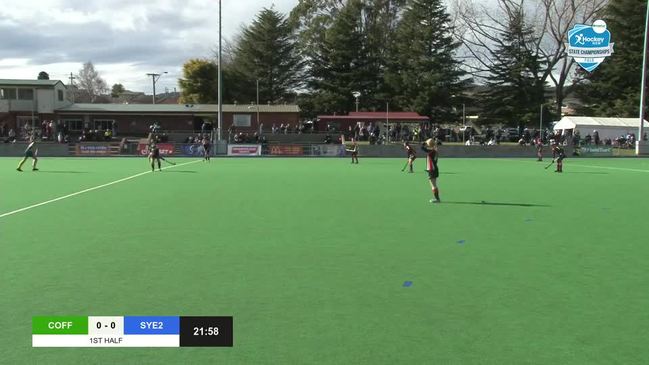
pixel 560 158
pixel 412 157
pixel 207 149
pixel 433 174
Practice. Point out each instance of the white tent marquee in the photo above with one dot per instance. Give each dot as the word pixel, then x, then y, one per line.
pixel 606 127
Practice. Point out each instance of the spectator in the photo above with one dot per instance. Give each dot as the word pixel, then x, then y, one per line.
pixel 3 129
pixel 596 137
pixel 108 135
pixel 12 136
pixel 576 139
pixel 644 138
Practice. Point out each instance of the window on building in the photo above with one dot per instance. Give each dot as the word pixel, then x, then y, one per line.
pixel 103 124
pixel 25 94
pixel 73 124
pixel 241 120
pixel 8 94
pixel 60 93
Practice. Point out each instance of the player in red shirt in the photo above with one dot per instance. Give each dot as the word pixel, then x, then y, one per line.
pixel 206 149
pixel 558 155
pixel 430 147
pixel 411 156
pixel 539 148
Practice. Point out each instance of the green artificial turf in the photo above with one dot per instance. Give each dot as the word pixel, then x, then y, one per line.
pixel 310 256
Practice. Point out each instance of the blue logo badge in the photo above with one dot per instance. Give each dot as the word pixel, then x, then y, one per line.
pixel 589 45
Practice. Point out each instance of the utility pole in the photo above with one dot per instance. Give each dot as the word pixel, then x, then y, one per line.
pixel 220 81
pixel 72 85
pixel 258 123
pixel 639 139
pixel 154 79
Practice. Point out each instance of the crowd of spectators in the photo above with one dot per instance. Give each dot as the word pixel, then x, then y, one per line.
pixel 243 137
pixel 288 128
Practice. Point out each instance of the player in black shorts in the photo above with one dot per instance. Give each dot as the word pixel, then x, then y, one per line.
pixel 430 147
pixel 206 149
pixel 154 155
pixel 558 155
pixel 354 151
pixel 29 152
pixel 411 155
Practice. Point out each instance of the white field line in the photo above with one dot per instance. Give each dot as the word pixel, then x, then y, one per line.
pixel 610 168
pixel 89 190
pixel 587 166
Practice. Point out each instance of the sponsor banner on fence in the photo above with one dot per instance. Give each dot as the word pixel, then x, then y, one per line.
pixel 328 150
pixel 193 149
pixel 286 150
pixel 596 151
pixel 244 150
pixel 165 149
pixel 93 149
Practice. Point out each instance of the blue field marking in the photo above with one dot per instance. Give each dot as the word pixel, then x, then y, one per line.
pixel 407 283
pixel 461 241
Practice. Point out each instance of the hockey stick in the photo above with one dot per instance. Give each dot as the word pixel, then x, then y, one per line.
pixel 548 166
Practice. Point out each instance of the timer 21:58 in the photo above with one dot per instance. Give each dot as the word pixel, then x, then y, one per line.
pixel 206 331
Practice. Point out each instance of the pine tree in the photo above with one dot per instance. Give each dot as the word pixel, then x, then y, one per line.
pixel 515 91
pixel 423 74
pixel 613 88
pixel 340 65
pixel 267 52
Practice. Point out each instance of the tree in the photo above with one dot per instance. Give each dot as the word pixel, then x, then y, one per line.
pixel 117 90
pixel 43 75
pixel 90 84
pixel 375 24
pixel 424 74
pixel 339 63
pixel 266 52
pixel 561 15
pixel 479 25
pixel 613 89
pixel 200 82
pixel 515 91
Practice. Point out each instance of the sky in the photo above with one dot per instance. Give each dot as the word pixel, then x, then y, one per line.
pixel 124 39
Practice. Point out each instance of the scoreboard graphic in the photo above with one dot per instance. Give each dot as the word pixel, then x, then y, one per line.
pixel 131 331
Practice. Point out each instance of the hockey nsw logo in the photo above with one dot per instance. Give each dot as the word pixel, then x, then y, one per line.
pixel 589 45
